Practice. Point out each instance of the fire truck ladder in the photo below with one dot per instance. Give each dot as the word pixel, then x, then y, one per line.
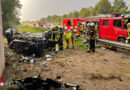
pixel 114 43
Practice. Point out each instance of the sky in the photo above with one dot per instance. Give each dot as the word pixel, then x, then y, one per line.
pixel 37 9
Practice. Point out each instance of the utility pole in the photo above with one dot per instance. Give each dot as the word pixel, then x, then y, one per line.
pixel 2 56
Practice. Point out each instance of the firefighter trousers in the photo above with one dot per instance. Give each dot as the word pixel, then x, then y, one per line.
pixel 91 45
pixel 60 43
pixel 52 46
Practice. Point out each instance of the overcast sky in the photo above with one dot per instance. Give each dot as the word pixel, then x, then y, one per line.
pixel 37 9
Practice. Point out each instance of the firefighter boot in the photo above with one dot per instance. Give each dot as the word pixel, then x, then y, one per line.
pixel 93 50
pixel 88 48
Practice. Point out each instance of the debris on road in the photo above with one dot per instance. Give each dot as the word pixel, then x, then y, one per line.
pixel 36 83
pixel 31 60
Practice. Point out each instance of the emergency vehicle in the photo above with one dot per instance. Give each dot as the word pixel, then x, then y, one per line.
pixel 114 29
pixel 73 22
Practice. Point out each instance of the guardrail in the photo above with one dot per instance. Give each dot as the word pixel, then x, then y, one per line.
pixel 114 43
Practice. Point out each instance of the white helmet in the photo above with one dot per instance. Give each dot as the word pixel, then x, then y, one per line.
pixel 92 24
pixel 128 24
pixel 88 24
pixel 66 27
pixel 71 27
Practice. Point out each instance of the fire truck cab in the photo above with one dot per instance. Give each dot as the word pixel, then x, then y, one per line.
pixel 114 29
pixel 73 22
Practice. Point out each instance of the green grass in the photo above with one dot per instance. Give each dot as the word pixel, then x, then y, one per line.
pixel 27 28
pixel 79 43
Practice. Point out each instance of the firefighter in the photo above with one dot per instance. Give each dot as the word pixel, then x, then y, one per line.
pixel 87 36
pixel 77 32
pixel 69 35
pixel 60 41
pixel 72 36
pixel 128 38
pixel 91 35
pixel 66 37
pixel 82 29
pixel 9 35
pixel 54 38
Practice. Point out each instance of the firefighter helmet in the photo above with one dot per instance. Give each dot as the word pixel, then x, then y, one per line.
pixel 76 27
pixel 71 27
pixel 88 24
pixel 92 24
pixel 128 24
pixel 66 27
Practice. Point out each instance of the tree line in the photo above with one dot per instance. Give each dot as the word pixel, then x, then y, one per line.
pixel 102 7
pixel 10 13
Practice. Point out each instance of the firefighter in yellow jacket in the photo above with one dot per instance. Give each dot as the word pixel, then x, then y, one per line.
pixel 55 37
pixel 128 38
pixel 91 36
pixel 69 36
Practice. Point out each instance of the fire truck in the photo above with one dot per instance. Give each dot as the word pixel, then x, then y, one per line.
pixel 73 22
pixel 112 30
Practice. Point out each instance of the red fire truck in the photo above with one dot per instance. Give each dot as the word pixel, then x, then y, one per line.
pixel 73 22
pixel 111 28
pixel 114 29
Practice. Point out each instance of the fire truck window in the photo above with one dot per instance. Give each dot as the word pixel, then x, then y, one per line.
pixel 117 23
pixel 69 23
pixel 105 23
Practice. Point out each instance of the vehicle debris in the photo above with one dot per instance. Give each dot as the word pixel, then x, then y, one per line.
pixel 37 83
pixel 37 43
pixel 31 60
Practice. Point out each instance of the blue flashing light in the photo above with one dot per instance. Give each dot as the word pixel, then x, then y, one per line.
pixel 122 15
pixel 80 19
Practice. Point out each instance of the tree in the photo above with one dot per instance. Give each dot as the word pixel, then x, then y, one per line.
pixel 84 12
pixel 64 16
pixel 10 13
pixel 75 14
pixel 91 11
pixel 103 7
pixel 119 6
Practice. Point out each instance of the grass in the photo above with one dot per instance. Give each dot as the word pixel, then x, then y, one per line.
pixel 5 40
pixel 26 28
pixel 79 43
